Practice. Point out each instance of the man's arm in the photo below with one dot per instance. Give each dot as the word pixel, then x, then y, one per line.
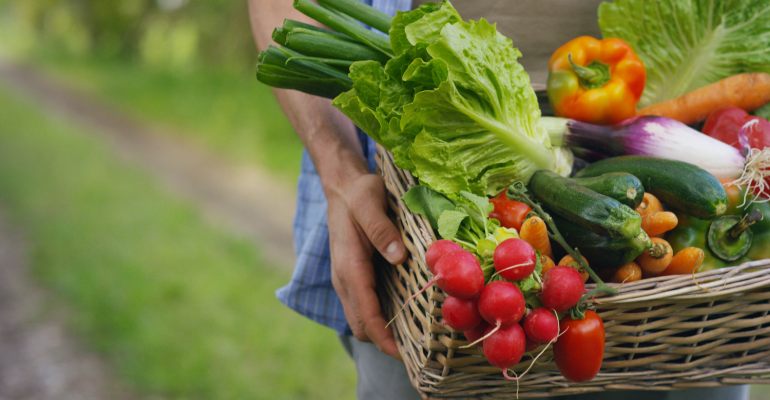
pixel 357 203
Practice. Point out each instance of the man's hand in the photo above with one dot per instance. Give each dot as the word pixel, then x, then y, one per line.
pixel 358 224
pixel 356 198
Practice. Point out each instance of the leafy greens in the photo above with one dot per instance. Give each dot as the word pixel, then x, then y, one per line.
pixel 687 44
pixel 453 105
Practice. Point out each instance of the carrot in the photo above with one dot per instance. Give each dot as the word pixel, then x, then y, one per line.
pixel 570 262
pixel 684 262
pixel 734 194
pixel 629 272
pixel 546 262
pixel 748 91
pixel 657 223
pixel 655 259
pixel 534 232
pixel 650 204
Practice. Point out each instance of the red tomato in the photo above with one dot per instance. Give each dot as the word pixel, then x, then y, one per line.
pixel 510 213
pixel 579 350
pixel 725 122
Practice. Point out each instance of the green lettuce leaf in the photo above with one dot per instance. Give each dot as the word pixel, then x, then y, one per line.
pixel 687 44
pixel 428 203
pixel 453 106
pixel 449 223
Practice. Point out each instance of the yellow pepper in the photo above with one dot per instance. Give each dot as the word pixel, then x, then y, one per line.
pixel 596 81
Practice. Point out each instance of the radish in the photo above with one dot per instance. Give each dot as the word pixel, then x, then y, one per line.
pixel 501 303
pixel 458 274
pixel 473 335
pixel 461 315
pixel 504 347
pixel 562 288
pixel 530 345
pixel 540 325
pixel 438 249
pixel 515 259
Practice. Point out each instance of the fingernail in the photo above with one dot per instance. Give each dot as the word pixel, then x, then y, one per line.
pixel 394 252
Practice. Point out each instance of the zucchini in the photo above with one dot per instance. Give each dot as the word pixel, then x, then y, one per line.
pixel 621 186
pixel 593 211
pixel 602 252
pixel 681 186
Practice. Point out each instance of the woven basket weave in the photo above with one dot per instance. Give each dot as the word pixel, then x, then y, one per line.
pixel 661 333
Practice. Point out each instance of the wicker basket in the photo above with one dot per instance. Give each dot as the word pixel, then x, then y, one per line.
pixel 661 333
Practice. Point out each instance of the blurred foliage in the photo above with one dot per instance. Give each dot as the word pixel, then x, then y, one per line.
pixel 175 33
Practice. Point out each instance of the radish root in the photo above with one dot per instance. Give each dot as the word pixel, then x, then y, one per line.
pixel 432 281
pixel 481 339
pixel 756 169
pixel 517 377
pixel 511 267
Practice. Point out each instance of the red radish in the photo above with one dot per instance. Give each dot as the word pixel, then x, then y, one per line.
pixel 504 347
pixel 501 303
pixel 562 288
pixel 540 325
pixel 473 335
pixel 514 259
pixel 458 274
pixel 530 345
pixel 461 315
pixel 438 249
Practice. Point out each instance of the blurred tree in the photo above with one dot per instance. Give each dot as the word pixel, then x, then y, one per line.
pixel 175 33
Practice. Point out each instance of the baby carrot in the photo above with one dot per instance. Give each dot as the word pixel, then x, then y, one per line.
pixel 657 223
pixel 546 262
pixel 570 262
pixel 534 232
pixel 655 259
pixel 650 204
pixel 748 91
pixel 684 262
pixel 629 272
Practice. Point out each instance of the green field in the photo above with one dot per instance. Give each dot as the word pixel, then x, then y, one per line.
pixel 231 113
pixel 180 309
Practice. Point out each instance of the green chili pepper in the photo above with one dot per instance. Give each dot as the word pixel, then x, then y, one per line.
pixel 760 247
pixel 730 236
pixel 692 232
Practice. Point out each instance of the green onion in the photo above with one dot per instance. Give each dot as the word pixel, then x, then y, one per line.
pixel 290 25
pixel 318 45
pixel 361 12
pixel 278 77
pixel 293 61
pixel 345 24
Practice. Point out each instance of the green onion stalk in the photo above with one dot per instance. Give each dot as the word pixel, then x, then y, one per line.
pixel 316 60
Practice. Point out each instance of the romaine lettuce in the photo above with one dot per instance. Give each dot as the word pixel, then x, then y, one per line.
pixel 453 106
pixel 687 44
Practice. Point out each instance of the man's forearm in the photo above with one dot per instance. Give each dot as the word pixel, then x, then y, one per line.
pixel 329 137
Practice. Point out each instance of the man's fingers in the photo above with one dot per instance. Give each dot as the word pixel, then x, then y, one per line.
pixel 370 215
pixel 366 306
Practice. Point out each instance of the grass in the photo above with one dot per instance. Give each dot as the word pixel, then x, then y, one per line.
pixel 180 308
pixel 228 112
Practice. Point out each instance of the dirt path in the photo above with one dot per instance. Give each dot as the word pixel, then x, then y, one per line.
pixel 39 359
pixel 244 199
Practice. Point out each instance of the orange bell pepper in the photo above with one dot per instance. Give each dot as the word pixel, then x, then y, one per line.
pixel 596 81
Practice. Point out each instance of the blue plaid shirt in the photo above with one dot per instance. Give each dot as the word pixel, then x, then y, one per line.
pixel 310 290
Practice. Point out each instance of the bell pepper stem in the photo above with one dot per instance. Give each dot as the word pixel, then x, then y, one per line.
pixel 518 192
pixel 745 222
pixel 593 75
